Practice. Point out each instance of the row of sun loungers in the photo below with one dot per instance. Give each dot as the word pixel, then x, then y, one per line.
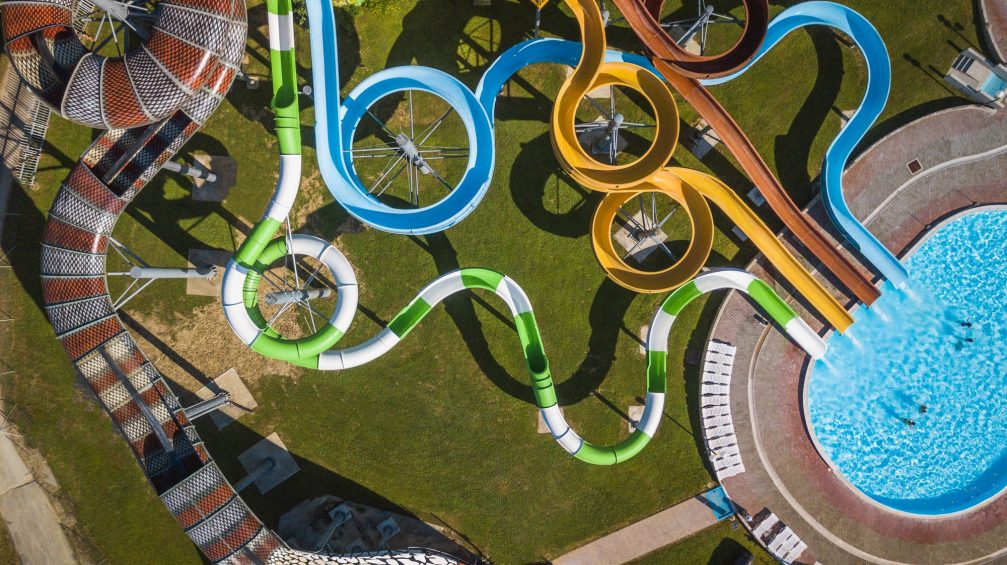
pixel 715 395
pixel 781 541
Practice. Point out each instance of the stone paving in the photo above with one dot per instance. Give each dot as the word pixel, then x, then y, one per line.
pixel 963 152
pixel 643 537
pixel 994 13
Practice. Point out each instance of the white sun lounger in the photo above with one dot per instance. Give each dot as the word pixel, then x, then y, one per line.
pixel 726 360
pixel 715 422
pixel 708 388
pixel 716 378
pixel 711 367
pixel 764 526
pixel 793 554
pixel 730 472
pixel 717 431
pixel 722 441
pixel 713 411
pixel 715 400
pixel 781 538
pixel 725 457
pixel 787 546
pixel 724 348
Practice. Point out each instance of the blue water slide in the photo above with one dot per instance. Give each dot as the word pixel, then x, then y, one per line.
pixel 336 121
pixel 879 80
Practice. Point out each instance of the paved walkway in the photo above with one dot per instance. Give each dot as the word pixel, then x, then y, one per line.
pixel 25 508
pixel 643 537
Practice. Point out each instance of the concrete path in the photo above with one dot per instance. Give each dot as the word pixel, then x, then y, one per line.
pixel 34 529
pixel 647 535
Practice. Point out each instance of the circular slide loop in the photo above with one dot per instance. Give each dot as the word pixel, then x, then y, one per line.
pixel 688 266
pixel 357 199
pixel 251 325
pixel 644 17
pixel 144 85
pixel 594 72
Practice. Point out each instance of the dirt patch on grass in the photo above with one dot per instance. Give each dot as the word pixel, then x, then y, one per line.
pixel 191 350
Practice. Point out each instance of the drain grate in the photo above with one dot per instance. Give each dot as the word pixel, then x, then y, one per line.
pixel 914 166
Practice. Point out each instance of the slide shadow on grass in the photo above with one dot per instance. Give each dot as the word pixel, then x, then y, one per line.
pixel 606 315
pixel 254 104
pixel 313 480
pixel 161 217
pixel 535 179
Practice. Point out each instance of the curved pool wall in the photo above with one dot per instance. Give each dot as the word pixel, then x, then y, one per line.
pixel 911 350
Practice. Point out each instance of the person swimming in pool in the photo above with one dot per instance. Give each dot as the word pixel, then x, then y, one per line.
pixel 923 408
pixel 909 422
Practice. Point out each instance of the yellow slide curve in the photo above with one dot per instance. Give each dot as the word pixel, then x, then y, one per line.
pixel 691 189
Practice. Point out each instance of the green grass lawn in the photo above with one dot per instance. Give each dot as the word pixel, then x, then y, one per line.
pixel 443 427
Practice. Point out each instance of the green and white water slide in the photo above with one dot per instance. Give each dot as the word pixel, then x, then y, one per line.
pixel 260 250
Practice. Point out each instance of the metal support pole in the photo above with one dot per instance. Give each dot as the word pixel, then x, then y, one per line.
pixel 202 272
pixel 266 466
pixel 155 425
pixel 200 409
pixel 188 171
pixel 538 21
pixel 288 296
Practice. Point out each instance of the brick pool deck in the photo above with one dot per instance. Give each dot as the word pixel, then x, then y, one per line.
pixel 963 152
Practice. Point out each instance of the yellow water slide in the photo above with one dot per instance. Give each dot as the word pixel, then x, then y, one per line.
pixel 691 189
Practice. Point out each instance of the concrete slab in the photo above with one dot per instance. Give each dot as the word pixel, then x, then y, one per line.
pixel 270 447
pixel 641 250
pixel 644 335
pixel 692 45
pixel 199 257
pixel 226 169
pixel 241 399
pixel 13 472
pixel 703 141
pixel 635 413
pixel 755 197
pixel 542 427
pixel 647 535
pixel 34 528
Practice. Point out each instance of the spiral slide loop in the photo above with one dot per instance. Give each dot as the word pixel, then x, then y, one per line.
pixel 649 174
pixel 146 85
pixel 642 16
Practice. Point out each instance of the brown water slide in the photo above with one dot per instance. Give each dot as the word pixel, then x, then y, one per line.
pixel 683 69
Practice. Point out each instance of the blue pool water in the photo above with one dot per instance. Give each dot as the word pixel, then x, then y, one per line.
pixel 994 86
pixel 910 350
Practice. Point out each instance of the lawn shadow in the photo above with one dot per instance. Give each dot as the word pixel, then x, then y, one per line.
pixel 728 552
pixel 531 190
pixel 162 217
pixel 20 242
pixel 611 302
pixel 793 150
pixel 311 481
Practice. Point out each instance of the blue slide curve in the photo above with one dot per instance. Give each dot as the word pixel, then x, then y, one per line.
pixel 879 80
pixel 336 121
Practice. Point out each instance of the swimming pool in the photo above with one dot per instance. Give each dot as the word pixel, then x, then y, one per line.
pixel 994 86
pixel 910 405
